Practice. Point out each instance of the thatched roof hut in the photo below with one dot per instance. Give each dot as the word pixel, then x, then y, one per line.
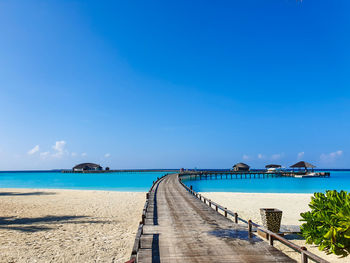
pixel 302 164
pixel 87 167
pixel 240 167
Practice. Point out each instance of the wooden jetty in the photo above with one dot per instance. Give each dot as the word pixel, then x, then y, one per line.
pixel 205 175
pixel 123 171
pixel 177 227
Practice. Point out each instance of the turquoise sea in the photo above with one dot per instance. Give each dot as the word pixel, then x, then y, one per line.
pixel 129 181
pixel 339 180
pixel 142 181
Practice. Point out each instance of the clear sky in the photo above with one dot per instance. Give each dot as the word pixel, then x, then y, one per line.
pixel 155 84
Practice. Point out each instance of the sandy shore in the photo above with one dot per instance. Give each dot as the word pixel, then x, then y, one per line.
pixel 100 226
pixel 68 225
pixel 247 206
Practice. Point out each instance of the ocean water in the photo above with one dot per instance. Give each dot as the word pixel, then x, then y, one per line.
pixel 136 182
pixel 339 180
pixel 142 181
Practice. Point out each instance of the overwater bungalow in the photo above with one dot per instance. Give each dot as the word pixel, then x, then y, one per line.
pixel 304 165
pixel 241 167
pixel 87 167
pixel 271 168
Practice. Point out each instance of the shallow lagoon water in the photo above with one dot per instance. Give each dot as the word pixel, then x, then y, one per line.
pixel 142 181
pixel 128 181
pixel 339 180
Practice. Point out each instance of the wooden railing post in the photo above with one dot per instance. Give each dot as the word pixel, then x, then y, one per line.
pixel 270 240
pixel 305 255
pixel 143 219
pixel 147 195
pixel 304 258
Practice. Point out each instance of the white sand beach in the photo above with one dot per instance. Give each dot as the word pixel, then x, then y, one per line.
pixel 68 225
pixel 247 206
pixel 99 226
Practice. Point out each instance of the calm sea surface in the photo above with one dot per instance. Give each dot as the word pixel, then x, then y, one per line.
pixel 339 180
pixel 141 182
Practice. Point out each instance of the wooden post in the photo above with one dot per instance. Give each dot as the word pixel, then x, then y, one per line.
pixel 216 208
pixel 147 195
pixel 209 202
pixel 236 218
pixel 304 258
pixel 143 219
pixel 249 226
pixel 191 187
pixel 225 211
pixel 271 240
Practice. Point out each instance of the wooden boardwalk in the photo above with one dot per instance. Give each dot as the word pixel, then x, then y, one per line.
pixel 180 228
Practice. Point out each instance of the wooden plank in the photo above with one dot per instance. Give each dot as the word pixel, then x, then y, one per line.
pixel 180 228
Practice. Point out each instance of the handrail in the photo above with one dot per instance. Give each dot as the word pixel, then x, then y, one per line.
pixel 256 172
pixel 137 243
pixel 275 236
pixel 305 255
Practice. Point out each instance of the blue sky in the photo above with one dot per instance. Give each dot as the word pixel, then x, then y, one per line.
pixel 153 84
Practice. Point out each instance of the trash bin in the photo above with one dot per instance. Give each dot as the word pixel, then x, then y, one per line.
pixel 271 218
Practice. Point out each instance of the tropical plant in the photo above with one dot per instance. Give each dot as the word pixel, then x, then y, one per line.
pixel 328 223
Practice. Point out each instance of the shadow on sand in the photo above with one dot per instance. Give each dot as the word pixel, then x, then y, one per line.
pixel 25 194
pixel 28 224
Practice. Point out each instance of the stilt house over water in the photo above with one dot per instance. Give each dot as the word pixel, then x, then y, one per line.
pixel 87 167
pixel 241 167
pixel 273 166
pixel 303 164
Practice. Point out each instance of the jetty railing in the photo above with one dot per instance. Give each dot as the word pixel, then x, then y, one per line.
pixel 253 174
pixel 123 171
pixel 137 242
pixel 270 236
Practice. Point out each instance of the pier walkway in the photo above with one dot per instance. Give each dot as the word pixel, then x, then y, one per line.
pixel 180 228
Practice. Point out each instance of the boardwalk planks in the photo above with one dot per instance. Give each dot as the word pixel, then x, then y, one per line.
pixel 180 228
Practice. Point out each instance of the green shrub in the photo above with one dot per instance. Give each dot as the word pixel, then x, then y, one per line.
pixel 328 223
